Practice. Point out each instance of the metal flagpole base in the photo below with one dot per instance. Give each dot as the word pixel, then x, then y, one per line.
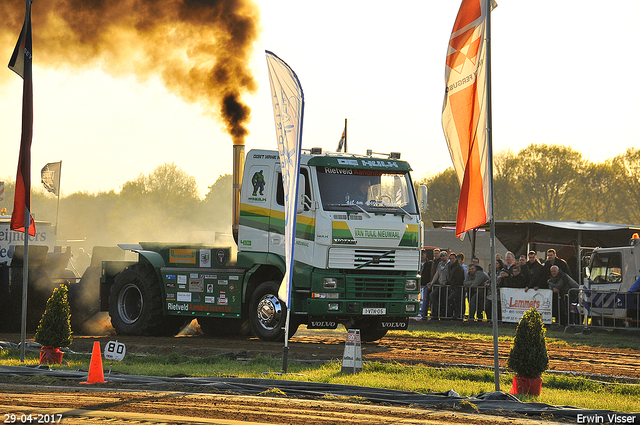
pixel 285 355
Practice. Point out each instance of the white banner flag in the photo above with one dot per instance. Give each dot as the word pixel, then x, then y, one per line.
pixel 50 177
pixel 516 301
pixel 288 109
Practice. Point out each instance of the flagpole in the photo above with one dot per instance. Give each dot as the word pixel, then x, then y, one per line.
pixel 345 135
pixel 492 220
pixel 25 280
pixel 285 349
pixel 21 63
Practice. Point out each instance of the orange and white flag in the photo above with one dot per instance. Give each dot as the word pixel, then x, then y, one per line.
pixel 464 114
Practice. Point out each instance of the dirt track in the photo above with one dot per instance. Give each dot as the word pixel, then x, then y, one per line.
pixel 145 407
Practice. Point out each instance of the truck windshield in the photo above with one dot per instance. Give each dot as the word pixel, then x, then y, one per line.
pixel 606 267
pixel 348 189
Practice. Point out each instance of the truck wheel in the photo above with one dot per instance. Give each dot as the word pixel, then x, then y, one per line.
pixel 267 314
pixel 135 303
pixel 369 331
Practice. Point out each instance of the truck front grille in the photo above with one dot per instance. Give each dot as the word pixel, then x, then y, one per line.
pixel 374 287
pixel 350 258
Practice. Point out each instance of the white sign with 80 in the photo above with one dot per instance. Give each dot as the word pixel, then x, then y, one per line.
pixel 114 350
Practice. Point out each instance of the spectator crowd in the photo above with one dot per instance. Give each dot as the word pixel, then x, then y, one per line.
pixel 448 284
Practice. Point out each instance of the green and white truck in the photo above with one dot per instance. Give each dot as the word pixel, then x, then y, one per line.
pixel 357 255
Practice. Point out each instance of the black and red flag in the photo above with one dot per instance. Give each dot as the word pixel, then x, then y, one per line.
pixel 21 64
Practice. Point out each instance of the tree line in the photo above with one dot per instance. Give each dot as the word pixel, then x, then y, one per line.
pixel 549 182
pixel 162 206
pixel 540 182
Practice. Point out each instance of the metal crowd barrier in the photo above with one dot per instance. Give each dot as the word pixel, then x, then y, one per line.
pixel 438 306
pixel 584 307
pixel 604 309
pixel 468 299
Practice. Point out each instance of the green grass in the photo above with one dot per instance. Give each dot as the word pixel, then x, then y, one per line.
pixel 557 390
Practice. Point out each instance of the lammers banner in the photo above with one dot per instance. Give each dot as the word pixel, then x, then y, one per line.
pixel 516 301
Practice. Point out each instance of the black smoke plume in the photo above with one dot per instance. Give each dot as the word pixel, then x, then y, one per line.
pixel 199 48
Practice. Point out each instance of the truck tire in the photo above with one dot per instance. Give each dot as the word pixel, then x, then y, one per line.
pixel 268 315
pixel 135 303
pixel 369 331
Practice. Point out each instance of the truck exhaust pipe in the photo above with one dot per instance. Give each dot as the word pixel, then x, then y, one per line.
pixel 238 170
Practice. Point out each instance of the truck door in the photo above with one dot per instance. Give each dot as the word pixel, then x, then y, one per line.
pixel 255 208
pixel 305 224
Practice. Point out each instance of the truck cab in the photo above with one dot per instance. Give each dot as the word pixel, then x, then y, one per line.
pixel 358 237
pixel 610 274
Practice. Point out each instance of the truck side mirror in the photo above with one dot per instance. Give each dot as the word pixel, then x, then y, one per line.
pixel 301 186
pixel 422 197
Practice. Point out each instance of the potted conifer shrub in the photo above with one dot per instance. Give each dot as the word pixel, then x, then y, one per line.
pixel 54 330
pixel 528 357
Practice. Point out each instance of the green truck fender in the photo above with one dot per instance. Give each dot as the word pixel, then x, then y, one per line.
pixel 267 263
pixel 152 258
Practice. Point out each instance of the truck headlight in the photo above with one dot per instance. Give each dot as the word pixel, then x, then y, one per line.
pixel 329 295
pixel 330 283
pixel 333 306
pixel 411 285
pixel 410 308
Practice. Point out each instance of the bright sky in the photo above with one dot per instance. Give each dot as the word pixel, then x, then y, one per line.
pixel 564 72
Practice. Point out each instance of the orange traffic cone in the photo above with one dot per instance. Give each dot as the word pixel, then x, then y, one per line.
pixel 96 373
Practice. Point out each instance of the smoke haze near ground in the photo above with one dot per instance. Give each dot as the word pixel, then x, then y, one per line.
pixel 199 48
pixel 109 218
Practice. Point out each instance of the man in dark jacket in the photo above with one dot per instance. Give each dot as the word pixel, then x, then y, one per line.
pixel 554 260
pixel 536 272
pixel 425 272
pixel 434 264
pixel 438 294
pixel 456 282
pixel 425 264
pixel 560 283
pixel 475 282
